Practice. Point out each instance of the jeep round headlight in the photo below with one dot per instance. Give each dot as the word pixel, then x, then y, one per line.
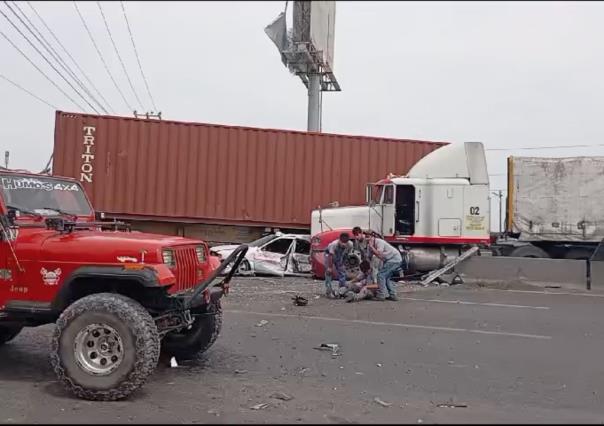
pixel 201 253
pixel 168 257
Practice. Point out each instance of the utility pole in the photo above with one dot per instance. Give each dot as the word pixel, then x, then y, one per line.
pixel 314 103
pixel 499 194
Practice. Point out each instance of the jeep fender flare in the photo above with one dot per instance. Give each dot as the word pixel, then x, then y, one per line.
pixel 146 277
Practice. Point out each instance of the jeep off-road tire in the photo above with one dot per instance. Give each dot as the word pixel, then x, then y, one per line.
pixel 8 333
pixel 104 326
pixel 193 342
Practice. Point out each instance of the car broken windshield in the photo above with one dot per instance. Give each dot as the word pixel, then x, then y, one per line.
pixel 44 195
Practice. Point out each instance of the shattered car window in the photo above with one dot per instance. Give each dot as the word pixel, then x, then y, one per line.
pixel 280 246
pixel 302 247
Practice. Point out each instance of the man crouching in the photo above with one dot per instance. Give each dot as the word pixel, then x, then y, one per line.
pixel 361 287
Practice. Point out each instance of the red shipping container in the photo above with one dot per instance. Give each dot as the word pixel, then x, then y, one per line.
pixel 207 173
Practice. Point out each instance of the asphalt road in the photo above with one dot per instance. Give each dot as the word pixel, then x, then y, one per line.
pixel 456 354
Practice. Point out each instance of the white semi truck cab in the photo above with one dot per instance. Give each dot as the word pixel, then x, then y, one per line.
pixel 441 206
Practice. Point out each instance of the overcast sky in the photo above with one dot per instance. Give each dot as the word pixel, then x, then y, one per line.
pixel 509 74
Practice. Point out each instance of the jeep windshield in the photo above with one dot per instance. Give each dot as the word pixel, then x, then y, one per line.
pixel 43 195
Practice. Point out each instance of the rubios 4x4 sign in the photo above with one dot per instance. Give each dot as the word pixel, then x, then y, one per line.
pixel 33 183
pixel 87 155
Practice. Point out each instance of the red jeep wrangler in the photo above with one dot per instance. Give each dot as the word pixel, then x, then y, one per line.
pixel 118 297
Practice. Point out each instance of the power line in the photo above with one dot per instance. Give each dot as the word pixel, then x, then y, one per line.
pixel 46 59
pixel 31 28
pixel 137 57
pixel 546 147
pixel 28 92
pixel 101 56
pixel 70 57
pixel 118 54
pixel 42 72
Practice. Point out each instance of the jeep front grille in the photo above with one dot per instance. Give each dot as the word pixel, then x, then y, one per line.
pixel 186 267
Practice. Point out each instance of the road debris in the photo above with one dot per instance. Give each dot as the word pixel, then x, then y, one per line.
pixel 317 297
pixel 379 365
pixel 333 347
pixel 240 371
pixel 450 405
pixel 261 406
pixel 282 396
pixel 382 403
pixel 262 323
pixel 173 362
pixel 300 301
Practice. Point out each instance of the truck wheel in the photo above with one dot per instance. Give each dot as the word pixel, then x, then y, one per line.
pixel 104 347
pixel 192 342
pixel 529 251
pixel 8 333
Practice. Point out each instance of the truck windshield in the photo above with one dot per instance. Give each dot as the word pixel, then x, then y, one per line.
pixel 44 195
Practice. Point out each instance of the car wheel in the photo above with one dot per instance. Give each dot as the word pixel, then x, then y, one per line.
pixel 244 268
pixel 104 347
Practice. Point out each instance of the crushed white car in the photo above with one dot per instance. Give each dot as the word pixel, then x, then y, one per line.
pixel 275 254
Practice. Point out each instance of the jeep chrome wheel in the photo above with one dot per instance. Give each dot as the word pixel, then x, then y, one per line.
pixel 98 349
pixel 104 347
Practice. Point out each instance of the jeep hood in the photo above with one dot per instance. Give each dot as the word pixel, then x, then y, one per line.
pixel 108 247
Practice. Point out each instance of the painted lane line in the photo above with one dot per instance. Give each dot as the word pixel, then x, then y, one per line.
pixel 544 292
pixel 462 302
pixel 392 324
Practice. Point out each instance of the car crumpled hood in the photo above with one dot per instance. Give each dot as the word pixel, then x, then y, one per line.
pixel 107 247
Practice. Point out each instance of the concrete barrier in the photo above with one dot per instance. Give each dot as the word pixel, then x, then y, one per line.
pixel 571 274
pixel 597 275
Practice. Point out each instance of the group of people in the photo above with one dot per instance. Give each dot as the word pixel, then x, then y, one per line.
pixel 379 262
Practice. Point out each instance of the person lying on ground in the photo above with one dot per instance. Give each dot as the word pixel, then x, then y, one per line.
pixel 362 286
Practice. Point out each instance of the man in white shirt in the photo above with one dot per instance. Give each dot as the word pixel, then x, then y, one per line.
pixel 392 260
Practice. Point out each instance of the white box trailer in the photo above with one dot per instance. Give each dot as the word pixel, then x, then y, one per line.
pixel 554 206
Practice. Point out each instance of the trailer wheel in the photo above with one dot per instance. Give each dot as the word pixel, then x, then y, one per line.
pixel 8 333
pixel 105 347
pixel 529 251
pixel 199 337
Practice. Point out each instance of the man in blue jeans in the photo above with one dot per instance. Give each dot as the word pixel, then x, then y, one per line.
pixel 391 262
pixel 335 254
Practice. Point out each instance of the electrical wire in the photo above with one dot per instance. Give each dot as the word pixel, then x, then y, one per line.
pixel 69 56
pixel 28 92
pixel 137 57
pixel 42 72
pixel 47 61
pixel 118 54
pixel 101 57
pixel 547 147
pixel 52 52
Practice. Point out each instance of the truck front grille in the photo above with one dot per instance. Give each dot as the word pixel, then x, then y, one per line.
pixel 186 268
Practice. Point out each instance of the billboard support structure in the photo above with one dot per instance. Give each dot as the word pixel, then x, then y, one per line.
pixel 307 51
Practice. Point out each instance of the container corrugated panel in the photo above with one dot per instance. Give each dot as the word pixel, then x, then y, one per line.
pixel 168 170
